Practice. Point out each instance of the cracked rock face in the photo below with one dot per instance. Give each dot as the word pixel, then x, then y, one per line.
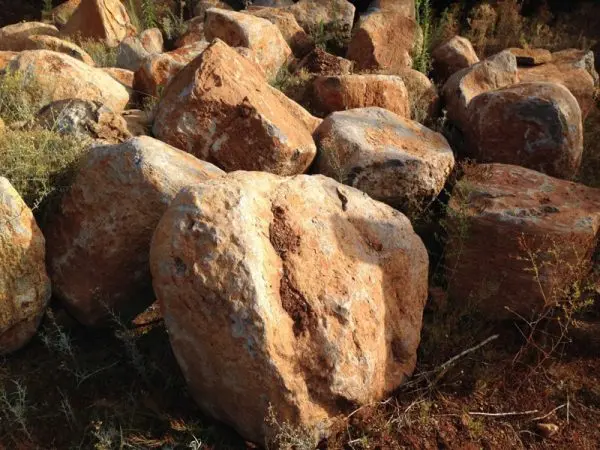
pixel 299 293
pixel 506 223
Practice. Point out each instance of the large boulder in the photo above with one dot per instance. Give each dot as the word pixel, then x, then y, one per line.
pixel 452 56
pixel 123 76
pixel 45 42
pixel 260 36
pixel 358 91
pixel 519 240
pixel 61 14
pixel 333 17
pixel 98 246
pixel 59 76
pixel 221 108
pixel 131 53
pixel 24 285
pixel 298 40
pixel 16 37
pixel 152 40
pixel 297 298
pixel 393 159
pixel 527 57
pixel 100 20
pixel 157 71
pixel 496 72
pixel 383 40
pixel 571 68
pixel 534 125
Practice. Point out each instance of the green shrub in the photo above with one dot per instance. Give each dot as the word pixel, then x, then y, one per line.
pixel 20 97
pixel 103 55
pixel 422 57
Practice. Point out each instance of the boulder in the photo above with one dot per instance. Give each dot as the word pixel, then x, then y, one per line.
pixel 123 76
pixel 527 57
pixel 152 40
pixel 221 109
pixel 98 247
pixel 422 95
pixel 44 42
pixel 86 119
pixel 334 17
pixel 131 54
pixel 61 14
pixel 204 5
pixel 139 122
pixel 393 159
pixel 358 91
pixel 312 292
pixel 24 285
pixel 157 71
pixel 518 239
pixel 5 58
pixel 298 40
pixel 194 32
pixel 260 36
pixel 319 62
pixel 16 37
pixel 60 77
pixel 571 68
pixel 534 125
pixel 495 72
pixel 383 40
pixel 405 7
pixel 452 56
pixel 100 20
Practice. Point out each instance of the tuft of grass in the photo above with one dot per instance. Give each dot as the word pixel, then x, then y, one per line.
pixel 20 97
pixel 291 83
pixel 332 37
pixel 103 55
pixel 422 56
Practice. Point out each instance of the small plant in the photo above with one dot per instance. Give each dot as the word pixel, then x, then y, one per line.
pixel 20 97
pixel 330 37
pixel 149 14
pixel 47 9
pixel 292 84
pixel 422 57
pixel 286 436
pixel 102 54
pixel 15 406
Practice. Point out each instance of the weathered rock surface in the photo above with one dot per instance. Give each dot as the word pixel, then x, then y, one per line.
pixel 131 53
pixel 194 32
pixel 422 95
pixel 157 71
pixel 221 109
pixel 263 38
pixel 452 56
pixel 383 40
pixel 312 293
pixel 44 42
pixel 101 20
pixel 506 221
pixel 123 76
pixel 391 158
pixel 298 40
pixel 534 125
pixel 85 119
pixel 527 57
pixel 204 5
pixel 405 7
pixel 97 246
pixel 5 58
pixel 24 285
pixel 332 16
pixel 359 91
pixel 152 40
pixel 495 72
pixel 61 14
pixel 571 68
pixel 60 77
pixel 16 37
pixel 320 62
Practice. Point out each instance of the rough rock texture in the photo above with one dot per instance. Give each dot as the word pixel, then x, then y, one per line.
pixel 61 14
pixel 24 285
pixel 101 20
pixel 383 40
pixel 312 293
pixel 534 125
pixel 152 40
pixel 260 36
pixel 60 77
pixel 332 15
pixel 393 159
pixel 139 122
pixel 359 91
pixel 451 56
pixel 44 42
pixel 123 76
pixel 503 217
pixel 158 70
pixel 405 7
pixel 527 57
pixel 5 58
pixel 86 119
pixel 194 32
pixel 320 62
pixel 571 68
pixel 221 109
pixel 98 247
pixel 204 5
pixel 422 95
pixel 495 72
pixel 131 53
pixel 16 37
pixel 298 40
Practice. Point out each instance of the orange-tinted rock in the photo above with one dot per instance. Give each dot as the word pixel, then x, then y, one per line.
pixel 451 56
pixel 152 40
pixel 16 37
pixel 298 40
pixel 296 295
pixel 97 246
pixel 534 125
pixel 495 72
pixel 5 58
pixel 527 57
pixel 422 95
pixel 405 7
pixel 60 77
pixel 393 159
pixel 571 68
pixel 358 91
pixel 319 62
pixel 260 36
pixel 44 42
pixel 328 15
pixel 24 285
pixel 61 14
pixel 383 40
pixel 123 76
pixel 508 222
pixel 194 32
pixel 221 108
pixel 101 20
